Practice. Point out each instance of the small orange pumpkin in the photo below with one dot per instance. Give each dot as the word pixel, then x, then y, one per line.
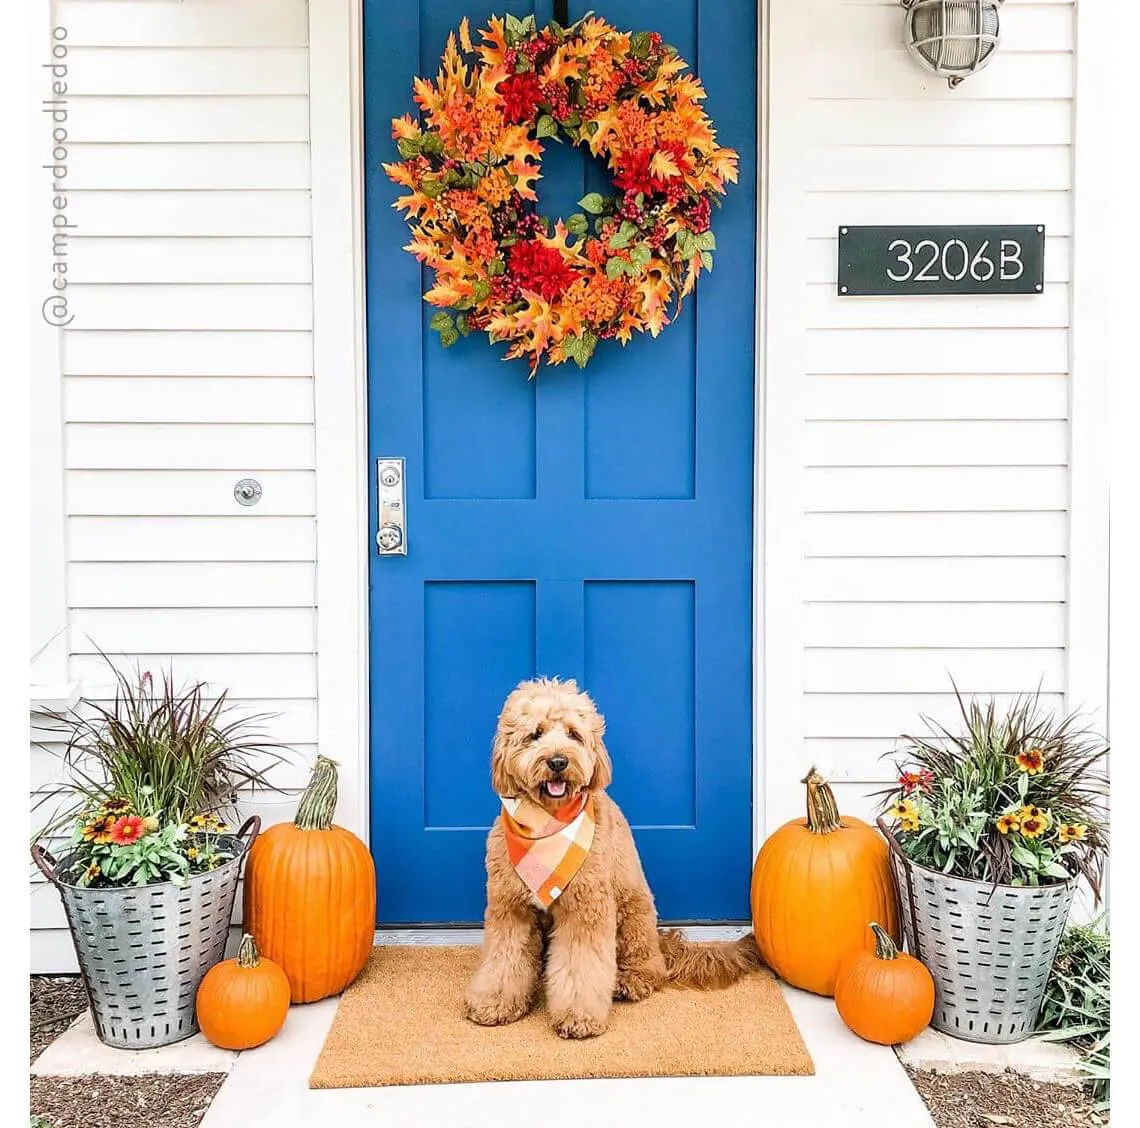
pixel 884 996
pixel 242 1002
pixel 815 884
pixel 310 894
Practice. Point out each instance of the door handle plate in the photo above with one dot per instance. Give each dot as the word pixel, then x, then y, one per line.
pixel 391 524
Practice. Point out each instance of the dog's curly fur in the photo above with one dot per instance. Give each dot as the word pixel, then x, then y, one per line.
pixel 599 940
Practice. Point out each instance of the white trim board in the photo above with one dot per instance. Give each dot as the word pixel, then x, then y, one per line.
pixel 340 388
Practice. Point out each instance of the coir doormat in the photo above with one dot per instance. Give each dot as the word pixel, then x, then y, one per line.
pixel 401 1023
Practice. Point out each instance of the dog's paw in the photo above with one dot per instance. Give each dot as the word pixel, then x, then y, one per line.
pixel 633 984
pixel 579 1026
pixel 494 1010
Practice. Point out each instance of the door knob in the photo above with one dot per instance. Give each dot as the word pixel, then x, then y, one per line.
pixel 392 534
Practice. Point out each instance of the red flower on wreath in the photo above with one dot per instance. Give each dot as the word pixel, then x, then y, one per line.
pixel 533 266
pixel 521 95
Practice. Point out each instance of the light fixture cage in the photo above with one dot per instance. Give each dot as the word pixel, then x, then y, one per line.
pixel 952 38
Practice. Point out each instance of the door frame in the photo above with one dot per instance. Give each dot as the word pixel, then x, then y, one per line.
pixel 336 97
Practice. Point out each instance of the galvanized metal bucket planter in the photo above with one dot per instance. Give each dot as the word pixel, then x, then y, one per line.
pixel 143 949
pixel 990 948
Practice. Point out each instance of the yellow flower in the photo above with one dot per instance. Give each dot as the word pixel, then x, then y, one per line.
pixel 1031 761
pixel 906 813
pixel 1007 822
pixel 192 852
pixel 92 831
pixel 1034 822
pixel 151 823
pixel 1071 832
pixel 91 873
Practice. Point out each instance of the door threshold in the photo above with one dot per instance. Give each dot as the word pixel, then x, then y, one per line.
pixel 445 934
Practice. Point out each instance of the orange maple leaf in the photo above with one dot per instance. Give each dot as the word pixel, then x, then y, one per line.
pixel 495 35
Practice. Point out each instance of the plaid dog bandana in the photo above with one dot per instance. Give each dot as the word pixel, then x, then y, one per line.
pixel 548 850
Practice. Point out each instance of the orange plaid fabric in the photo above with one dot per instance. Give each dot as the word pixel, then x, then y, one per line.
pixel 548 850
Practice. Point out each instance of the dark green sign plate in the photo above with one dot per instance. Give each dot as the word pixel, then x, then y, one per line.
pixel 941 260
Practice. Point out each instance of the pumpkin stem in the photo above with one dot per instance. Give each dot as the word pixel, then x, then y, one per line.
pixel 885 948
pixel 318 804
pixel 247 952
pixel 822 810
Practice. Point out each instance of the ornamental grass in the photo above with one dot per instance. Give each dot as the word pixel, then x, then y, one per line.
pixel 1016 797
pixel 161 750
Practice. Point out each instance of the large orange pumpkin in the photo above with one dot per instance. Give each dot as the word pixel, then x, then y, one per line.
pixel 242 1002
pixel 815 884
pixel 310 894
pixel 884 996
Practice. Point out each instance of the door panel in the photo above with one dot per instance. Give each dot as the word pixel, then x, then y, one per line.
pixel 595 525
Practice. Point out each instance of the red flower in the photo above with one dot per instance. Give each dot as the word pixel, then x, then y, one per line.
pixel 633 173
pixel 126 830
pixel 533 266
pixel 521 95
pixel 916 781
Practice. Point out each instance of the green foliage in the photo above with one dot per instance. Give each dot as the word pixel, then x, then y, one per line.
pixel 581 347
pixel 1017 797
pixel 169 752
pixel 1076 1007
pixel 593 202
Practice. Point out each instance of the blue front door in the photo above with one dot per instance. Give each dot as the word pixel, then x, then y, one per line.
pixel 590 524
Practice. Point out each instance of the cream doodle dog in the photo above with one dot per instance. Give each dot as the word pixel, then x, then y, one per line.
pixel 597 939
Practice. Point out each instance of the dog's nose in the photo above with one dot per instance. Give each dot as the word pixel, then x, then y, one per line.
pixel 557 763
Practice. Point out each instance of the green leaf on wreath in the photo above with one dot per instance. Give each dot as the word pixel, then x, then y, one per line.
pixel 706 260
pixel 440 322
pixel 528 25
pixel 705 241
pixel 448 337
pixel 432 187
pixel 615 268
pixel 546 127
pixel 684 241
pixel 408 147
pixel 593 202
pixel 641 254
pixel 514 27
pixel 461 324
pixel 580 348
pixel 625 234
pixel 495 267
pixel 639 45
pixel 482 290
pixel 432 143
pixel 576 224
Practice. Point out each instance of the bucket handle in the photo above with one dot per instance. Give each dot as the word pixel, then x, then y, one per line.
pixel 253 821
pixel 46 862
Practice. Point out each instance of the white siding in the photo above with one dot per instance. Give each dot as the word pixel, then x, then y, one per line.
pixel 918 503
pixel 189 363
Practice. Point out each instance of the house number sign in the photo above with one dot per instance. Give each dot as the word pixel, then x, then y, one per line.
pixel 941 260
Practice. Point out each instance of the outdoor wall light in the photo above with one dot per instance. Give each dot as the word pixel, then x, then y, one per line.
pixel 952 38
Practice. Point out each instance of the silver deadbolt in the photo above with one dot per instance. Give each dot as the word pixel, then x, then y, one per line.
pixel 392 534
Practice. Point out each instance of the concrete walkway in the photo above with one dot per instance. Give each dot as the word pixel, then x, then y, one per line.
pixel 856 1084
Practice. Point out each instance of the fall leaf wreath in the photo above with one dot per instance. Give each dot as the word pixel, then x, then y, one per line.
pixel 621 265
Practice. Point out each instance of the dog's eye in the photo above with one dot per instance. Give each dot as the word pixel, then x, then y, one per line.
pixel 536 736
pixel 574 734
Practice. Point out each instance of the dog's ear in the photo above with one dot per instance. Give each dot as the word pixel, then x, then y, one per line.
pixel 603 768
pixel 501 782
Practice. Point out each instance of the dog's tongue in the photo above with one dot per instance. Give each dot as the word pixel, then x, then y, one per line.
pixel 556 788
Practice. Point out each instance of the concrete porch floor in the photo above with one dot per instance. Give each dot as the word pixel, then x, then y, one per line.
pixel 856 1084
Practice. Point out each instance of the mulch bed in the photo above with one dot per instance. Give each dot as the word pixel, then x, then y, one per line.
pixel 158 1101
pixel 56 1001
pixel 1003 1100
pixel 98 1101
